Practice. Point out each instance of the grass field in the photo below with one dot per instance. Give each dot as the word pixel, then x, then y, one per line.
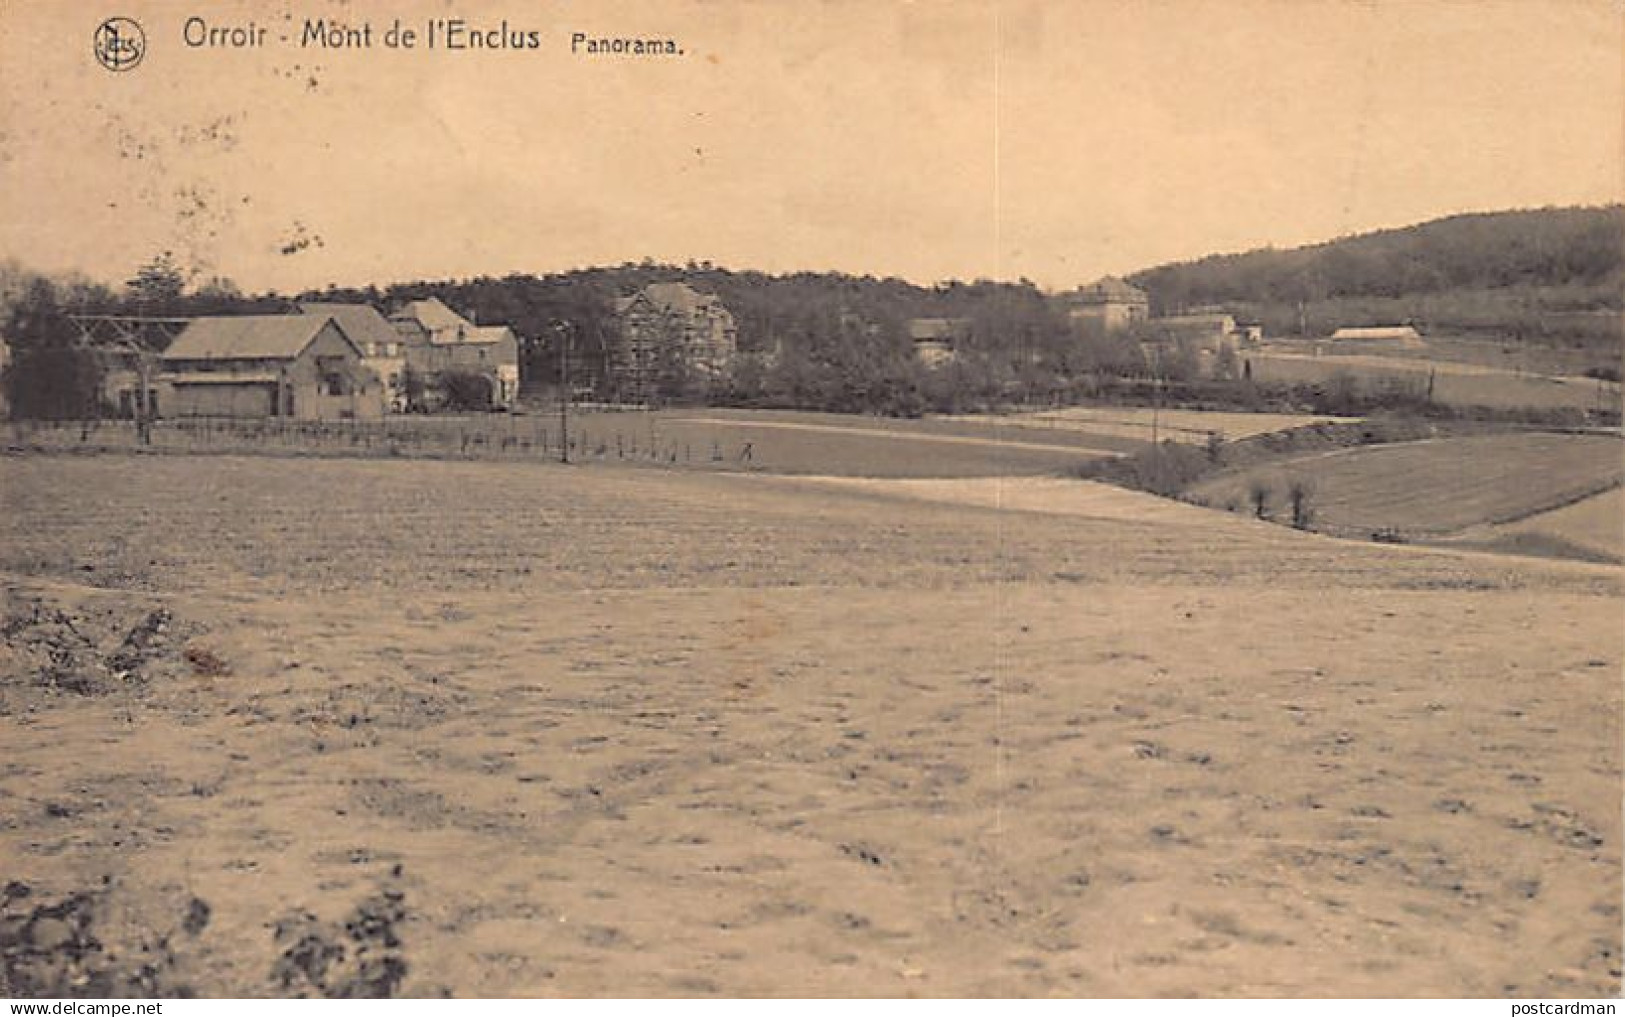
pixel 1193 427
pixel 754 441
pixel 1503 355
pixel 663 732
pixel 1434 487
pixel 1454 384
pixel 1593 526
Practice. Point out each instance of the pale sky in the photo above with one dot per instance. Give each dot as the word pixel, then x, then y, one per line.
pixel 932 140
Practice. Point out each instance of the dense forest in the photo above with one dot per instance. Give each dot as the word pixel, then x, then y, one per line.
pixel 1538 275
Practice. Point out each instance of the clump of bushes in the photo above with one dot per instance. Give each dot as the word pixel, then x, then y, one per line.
pixel 63 948
pixel 1166 469
pixel 358 958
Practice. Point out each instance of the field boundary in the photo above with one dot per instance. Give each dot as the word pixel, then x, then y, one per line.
pixel 408 438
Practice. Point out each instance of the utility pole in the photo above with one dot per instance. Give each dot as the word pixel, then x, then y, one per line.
pixel 562 328
pixel 133 337
pixel 1153 360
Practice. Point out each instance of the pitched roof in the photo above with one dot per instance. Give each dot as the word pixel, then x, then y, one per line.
pixel 247 337
pixel 935 329
pixel 1378 332
pixel 1111 290
pixel 361 322
pixel 676 296
pixel 1203 320
pixel 432 314
pixel 486 334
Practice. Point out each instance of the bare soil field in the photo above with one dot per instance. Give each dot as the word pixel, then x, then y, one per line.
pixel 320 727
pixel 1435 486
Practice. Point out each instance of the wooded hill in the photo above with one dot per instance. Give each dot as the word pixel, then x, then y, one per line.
pixel 1555 275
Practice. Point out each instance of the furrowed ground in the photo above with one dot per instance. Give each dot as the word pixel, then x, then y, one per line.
pixel 1437 486
pixel 637 732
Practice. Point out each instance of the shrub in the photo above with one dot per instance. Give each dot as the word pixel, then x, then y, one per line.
pixel 464 390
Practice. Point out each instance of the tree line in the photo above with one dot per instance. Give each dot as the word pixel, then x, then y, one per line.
pixel 806 340
pixel 1550 274
pixel 831 341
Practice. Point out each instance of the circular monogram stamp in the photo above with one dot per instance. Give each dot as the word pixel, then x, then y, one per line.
pixel 120 44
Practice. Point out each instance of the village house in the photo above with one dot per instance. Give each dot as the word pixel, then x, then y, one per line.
pixel 437 339
pixel 1210 340
pixel 1209 329
pixel 676 322
pixel 299 366
pixel 382 349
pixel 1108 305
pixel 936 340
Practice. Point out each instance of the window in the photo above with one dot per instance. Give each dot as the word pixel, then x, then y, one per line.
pixel 335 384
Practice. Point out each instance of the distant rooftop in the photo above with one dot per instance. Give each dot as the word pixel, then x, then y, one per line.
pixel 935 329
pixel 1110 290
pixel 433 314
pixel 672 296
pixel 1378 332
pixel 361 322
pixel 247 337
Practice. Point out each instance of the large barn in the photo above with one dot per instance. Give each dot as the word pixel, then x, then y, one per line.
pixel 300 366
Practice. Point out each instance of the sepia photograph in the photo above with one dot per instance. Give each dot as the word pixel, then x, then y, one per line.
pixel 735 499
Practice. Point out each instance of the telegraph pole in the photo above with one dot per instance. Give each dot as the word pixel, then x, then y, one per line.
pixel 562 328
pixel 131 335
pixel 1153 360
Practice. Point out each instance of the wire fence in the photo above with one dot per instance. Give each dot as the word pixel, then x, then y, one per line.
pixel 499 438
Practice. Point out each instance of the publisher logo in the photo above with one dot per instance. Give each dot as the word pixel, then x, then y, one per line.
pixel 120 44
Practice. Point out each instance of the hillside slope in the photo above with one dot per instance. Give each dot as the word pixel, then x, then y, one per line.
pixel 1527 274
pixel 1435 487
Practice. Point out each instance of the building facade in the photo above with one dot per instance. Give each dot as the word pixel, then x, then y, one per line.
pixel 936 340
pixel 667 326
pixel 382 350
pixel 1107 306
pixel 296 366
pixel 437 340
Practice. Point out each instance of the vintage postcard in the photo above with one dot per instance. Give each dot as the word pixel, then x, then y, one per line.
pixel 766 498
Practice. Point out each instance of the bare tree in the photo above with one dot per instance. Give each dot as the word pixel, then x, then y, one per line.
pixel 1260 493
pixel 1300 494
